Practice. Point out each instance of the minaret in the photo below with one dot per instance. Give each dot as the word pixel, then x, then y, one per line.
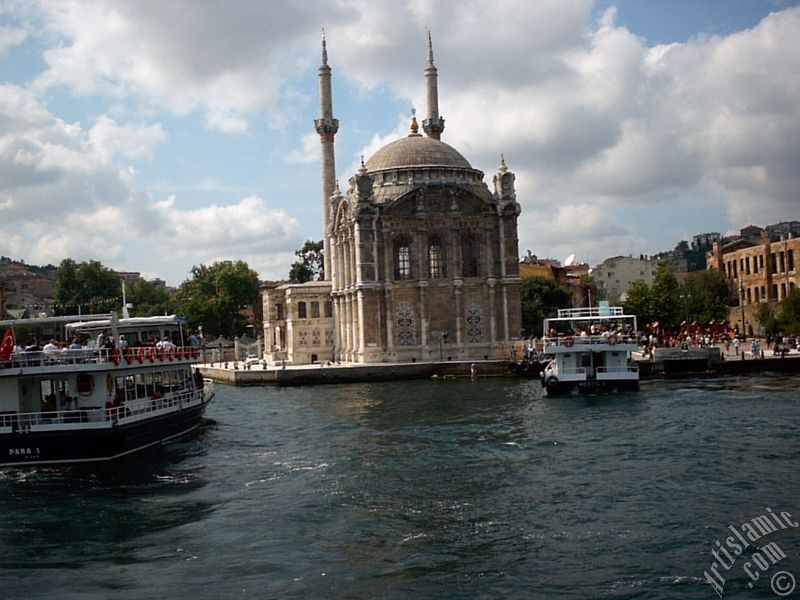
pixel 434 124
pixel 326 127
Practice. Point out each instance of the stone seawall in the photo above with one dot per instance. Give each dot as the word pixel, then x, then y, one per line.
pixel 316 375
pixel 730 366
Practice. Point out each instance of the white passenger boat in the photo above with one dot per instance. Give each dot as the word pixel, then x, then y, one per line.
pixel 96 403
pixel 590 351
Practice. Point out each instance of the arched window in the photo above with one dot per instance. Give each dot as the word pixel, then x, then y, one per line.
pixel 402 258
pixel 470 256
pixel 436 265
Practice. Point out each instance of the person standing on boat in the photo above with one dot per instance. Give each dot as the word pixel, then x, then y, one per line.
pixel 51 348
pixel 198 379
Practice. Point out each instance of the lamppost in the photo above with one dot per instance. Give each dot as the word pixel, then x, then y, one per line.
pixel 686 296
pixel 741 303
pixel 442 340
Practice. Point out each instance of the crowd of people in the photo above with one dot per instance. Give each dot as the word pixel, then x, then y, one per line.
pixel 105 344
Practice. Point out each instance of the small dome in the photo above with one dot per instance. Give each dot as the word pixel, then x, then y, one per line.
pixel 416 151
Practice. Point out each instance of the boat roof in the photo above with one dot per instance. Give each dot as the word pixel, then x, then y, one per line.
pixel 130 323
pixel 48 320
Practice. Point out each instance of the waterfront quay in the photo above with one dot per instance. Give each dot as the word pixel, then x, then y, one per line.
pixel 237 373
pixel 708 361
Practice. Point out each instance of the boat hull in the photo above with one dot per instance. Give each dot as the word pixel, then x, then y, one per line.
pixel 103 446
pixel 571 388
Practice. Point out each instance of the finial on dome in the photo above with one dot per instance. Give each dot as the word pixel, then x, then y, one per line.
pixel 324 49
pixel 503 167
pixel 363 168
pixel 414 126
pixel 430 48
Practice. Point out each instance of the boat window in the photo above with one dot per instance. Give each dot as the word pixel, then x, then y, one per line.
pixel 130 387
pixel 149 384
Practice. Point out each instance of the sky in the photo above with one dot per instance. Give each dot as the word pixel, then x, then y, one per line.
pixel 156 136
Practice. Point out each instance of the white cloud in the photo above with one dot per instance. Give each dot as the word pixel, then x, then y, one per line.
pixel 227 62
pixel 10 37
pixel 308 151
pixel 65 195
pixel 129 141
pixel 592 120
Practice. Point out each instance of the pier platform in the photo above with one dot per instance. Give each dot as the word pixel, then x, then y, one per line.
pixel 323 373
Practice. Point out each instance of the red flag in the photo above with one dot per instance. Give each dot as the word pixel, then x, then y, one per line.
pixel 8 344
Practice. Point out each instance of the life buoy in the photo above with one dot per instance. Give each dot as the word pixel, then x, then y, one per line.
pixel 140 354
pixel 115 356
pixel 195 352
pixel 160 353
pixel 171 354
pixel 551 382
pixel 128 354
pixel 611 340
pixel 151 354
pixel 568 341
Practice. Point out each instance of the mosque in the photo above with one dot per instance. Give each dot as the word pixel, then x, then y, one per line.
pixel 420 256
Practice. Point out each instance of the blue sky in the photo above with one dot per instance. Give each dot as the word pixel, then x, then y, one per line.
pixel 158 136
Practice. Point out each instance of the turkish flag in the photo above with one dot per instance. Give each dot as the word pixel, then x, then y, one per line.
pixel 8 344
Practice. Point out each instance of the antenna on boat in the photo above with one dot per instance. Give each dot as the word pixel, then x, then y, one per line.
pixel 125 314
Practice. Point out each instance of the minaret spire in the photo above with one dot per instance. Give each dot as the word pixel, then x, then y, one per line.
pixel 433 125
pixel 326 127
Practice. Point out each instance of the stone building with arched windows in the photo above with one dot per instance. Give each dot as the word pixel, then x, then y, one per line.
pixel 421 257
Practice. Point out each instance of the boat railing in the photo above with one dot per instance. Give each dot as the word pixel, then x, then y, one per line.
pixel 573 371
pixel 569 341
pixel 84 356
pixel 598 312
pixel 626 369
pixel 130 410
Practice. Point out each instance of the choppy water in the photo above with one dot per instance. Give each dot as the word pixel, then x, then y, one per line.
pixel 449 489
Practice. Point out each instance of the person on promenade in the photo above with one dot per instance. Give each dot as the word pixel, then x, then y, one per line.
pixel 736 346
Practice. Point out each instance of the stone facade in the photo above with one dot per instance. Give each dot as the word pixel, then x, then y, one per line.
pixel 422 258
pixel 764 272
pixel 298 323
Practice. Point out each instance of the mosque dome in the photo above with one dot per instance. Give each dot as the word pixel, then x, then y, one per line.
pixel 416 151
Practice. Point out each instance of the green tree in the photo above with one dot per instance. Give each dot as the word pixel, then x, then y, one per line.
pixel 790 312
pixel 665 297
pixel 541 298
pixel 639 302
pixel 215 295
pixel 765 315
pixel 149 298
pixel 705 296
pixel 311 263
pixel 86 287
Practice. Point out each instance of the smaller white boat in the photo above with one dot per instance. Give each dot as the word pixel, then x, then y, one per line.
pixel 590 351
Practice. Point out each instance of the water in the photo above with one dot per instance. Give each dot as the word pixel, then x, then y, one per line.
pixel 448 489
